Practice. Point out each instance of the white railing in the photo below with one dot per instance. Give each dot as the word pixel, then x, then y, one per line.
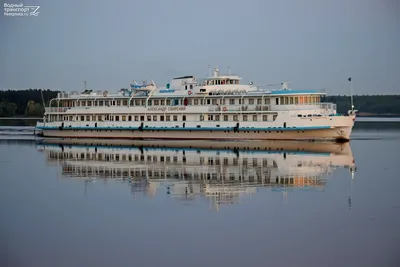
pixel 55 109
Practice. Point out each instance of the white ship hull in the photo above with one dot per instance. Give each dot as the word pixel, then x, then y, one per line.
pixel 336 128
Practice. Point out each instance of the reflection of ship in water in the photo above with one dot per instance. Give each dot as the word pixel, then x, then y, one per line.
pixel 221 171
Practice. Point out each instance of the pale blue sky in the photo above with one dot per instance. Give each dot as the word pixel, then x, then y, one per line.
pixel 314 43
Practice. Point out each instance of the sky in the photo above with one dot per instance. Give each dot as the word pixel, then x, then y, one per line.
pixel 316 44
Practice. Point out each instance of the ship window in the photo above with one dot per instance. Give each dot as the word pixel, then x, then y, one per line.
pixel 156 102
pixel 277 100
pixel 118 102
pixel 265 117
pixel 113 102
pixel 149 103
pixel 210 117
pixel 274 117
pixel 301 100
pixel 222 101
pixel 162 102
pixel 175 117
pixel 101 103
pixel 266 101
pixel 185 87
pixel 88 118
pixel 217 117
pixel 254 117
pixel 251 101
pixel 148 118
pixel 129 118
pixel 136 118
pixel 214 101
pixel 184 117
pixel 161 118
pixel 83 103
pixel 208 101
pixel 201 117
pixel 231 101
pixel 259 101
pixel 141 118
pixel 116 118
pixel 123 118
pixel 137 102
pixel 94 103
pixel 125 102
pixel 99 118
pixel 225 117
pixel 77 103
pixel 291 100
pixel 71 118
pixel 143 102
pixel 235 117
pixel 154 118
pixel 167 117
pixel 286 100
pixel 296 100
pixel 191 86
pixel 93 118
pixel 244 117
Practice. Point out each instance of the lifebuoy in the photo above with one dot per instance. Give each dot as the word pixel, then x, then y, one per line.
pixel 189 92
pixel 225 109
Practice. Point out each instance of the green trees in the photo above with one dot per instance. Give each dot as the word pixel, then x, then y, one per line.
pixel 24 102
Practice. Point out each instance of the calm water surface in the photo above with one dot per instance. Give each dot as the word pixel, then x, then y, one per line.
pixel 222 204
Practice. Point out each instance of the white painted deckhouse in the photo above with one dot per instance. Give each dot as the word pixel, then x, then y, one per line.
pixel 216 107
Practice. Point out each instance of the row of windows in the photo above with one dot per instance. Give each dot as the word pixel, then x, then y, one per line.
pixel 287 100
pixel 244 117
pixel 152 158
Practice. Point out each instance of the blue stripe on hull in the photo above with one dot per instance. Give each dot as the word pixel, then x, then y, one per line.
pixel 187 128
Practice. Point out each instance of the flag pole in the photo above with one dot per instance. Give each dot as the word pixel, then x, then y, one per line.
pixel 351 94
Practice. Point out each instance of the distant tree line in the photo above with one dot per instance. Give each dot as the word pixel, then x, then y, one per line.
pixel 379 105
pixel 29 103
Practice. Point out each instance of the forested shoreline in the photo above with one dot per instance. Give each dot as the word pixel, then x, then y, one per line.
pixel 29 103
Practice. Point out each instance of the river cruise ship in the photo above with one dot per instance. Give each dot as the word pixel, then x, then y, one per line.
pixel 218 107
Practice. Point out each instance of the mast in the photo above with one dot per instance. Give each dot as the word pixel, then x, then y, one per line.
pixel 351 94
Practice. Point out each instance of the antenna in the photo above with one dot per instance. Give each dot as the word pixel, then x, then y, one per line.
pixel 229 70
pixel 209 70
pixel 351 94
pixel 85 84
